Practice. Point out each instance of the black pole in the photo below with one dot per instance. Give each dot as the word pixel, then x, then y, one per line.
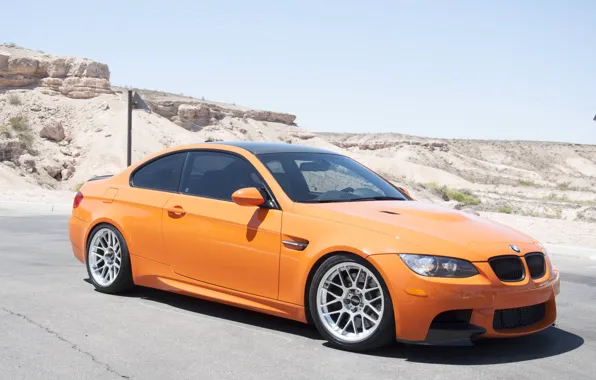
pixel 129 141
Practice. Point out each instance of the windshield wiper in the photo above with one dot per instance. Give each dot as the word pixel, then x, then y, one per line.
pixel 324 200
pixel 377 198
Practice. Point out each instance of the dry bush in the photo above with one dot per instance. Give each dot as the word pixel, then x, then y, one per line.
pixel 5 132
pixel 26 138
pixel 505 209
pixel 528 183
pixel 564 186
pixel 10 150
pixel 24 134
pixel 463 197
pixel 587 215
pixel 19 123
pixel 13 99
pixel 556 198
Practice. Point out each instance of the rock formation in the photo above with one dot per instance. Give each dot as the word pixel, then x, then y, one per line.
pixel 53 131
pixel 78 78
pixel 193 114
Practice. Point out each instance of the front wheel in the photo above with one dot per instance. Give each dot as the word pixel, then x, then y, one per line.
pixel 350 304
pixel 108 263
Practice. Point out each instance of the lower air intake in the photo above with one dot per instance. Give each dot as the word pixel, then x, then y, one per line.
pixel 518 317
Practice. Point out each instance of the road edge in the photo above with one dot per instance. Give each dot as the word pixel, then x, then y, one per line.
pixel 14 208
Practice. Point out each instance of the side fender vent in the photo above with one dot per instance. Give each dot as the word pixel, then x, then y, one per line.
pixel 294 243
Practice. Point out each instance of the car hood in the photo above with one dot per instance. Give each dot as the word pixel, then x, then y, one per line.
pixel 436 230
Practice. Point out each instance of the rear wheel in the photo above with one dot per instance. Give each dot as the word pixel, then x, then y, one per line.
pixel 350 304
pixel 108 262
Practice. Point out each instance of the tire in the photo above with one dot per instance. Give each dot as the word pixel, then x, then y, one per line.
pixel 108 261
pixel 356 316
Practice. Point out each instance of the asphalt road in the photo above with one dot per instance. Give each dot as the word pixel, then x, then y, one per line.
pixel 53 325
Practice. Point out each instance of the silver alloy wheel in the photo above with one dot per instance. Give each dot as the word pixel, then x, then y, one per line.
pixel 350 302
pixel 105 257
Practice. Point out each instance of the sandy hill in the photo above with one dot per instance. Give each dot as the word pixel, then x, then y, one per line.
pixel 547 179
pixel 55 135
pixel 62 122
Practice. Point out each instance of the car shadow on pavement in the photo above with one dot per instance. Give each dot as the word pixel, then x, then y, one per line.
pixel 551 342
pixel 218 310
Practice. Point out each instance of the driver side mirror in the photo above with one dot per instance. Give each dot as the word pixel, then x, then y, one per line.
pixel 403 190
pixel 249 196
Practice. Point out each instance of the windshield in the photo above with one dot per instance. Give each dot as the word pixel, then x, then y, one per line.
pixel 326 177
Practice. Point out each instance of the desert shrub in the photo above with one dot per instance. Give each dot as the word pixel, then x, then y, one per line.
pixel 78 187
pixel 11 44
pixel 464 197
pixel 19 123
pixel 527 182
pixel 564 186
pixel 26 138
pixel 468 192
pixel 5 132
pixel 13 99
pixel 587 215
pixel 505 210
pixel 440 191
pixel 553 214
pixel 10 149
pixel 556 198
pixel 243 131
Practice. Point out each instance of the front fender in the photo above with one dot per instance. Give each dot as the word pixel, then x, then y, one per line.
pixel 325 238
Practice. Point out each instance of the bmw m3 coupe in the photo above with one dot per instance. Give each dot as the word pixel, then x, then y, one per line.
pixel 314 236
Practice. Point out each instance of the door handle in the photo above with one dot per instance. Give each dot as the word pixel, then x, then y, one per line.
pixel 176 212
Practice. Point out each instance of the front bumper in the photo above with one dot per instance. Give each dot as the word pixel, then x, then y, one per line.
pixel 483 294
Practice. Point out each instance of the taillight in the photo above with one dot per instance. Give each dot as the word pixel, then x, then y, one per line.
pixel 77 200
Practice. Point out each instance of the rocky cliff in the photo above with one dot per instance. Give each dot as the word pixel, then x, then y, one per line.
pixel 77 78
pixel 193 114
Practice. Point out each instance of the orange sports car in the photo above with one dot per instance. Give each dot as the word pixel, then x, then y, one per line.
pixel 313 236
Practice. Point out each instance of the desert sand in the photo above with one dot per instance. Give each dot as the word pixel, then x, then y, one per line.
pixel 61 125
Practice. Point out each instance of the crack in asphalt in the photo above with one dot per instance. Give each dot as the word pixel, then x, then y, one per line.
pixel 73 345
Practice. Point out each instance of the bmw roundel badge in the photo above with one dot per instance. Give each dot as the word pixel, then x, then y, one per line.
pixel 514 248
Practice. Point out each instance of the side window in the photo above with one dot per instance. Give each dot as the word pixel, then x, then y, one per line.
pixel 161 174
pixel 217 175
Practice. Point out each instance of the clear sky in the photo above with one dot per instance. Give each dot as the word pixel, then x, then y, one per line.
pixel 516 69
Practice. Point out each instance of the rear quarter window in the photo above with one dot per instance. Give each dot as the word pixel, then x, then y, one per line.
pixel 161 174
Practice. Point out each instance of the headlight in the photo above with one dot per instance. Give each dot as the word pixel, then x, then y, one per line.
pixel 438 266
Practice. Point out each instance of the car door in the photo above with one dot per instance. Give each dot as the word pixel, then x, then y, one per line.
pixel 210 238
pixel 141 204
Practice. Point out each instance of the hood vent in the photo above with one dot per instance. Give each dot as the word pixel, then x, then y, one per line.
pixel 390 212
